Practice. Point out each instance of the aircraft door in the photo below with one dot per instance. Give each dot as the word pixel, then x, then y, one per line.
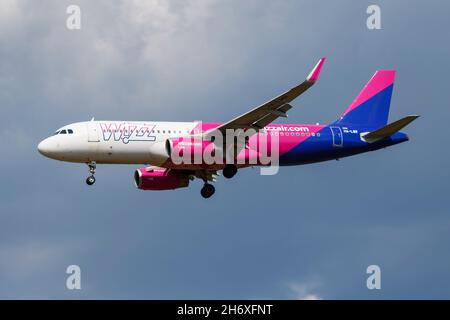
pixel 338 139
pixel 92 132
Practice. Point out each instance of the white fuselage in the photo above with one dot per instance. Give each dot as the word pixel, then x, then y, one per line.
pixel 119 142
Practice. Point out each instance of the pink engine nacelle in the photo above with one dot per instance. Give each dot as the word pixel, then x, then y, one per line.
pixel 189 146
pixel 196 149
pixel 159 179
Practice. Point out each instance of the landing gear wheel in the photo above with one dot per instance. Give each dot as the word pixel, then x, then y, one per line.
pixel 90 180
pixel 229 171
pixel 207 190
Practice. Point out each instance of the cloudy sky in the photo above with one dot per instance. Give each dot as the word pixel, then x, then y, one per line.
pixel 307 232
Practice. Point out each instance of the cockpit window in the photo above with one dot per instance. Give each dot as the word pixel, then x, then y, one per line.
pixel 56 133
pixel 70 131
pixel 63 132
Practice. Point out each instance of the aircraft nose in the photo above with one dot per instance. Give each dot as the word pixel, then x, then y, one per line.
pixel 45 148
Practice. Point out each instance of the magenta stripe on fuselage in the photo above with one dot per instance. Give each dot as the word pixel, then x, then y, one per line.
pixel 290 135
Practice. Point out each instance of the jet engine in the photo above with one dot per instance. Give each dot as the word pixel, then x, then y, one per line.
pixel 159 152
pixel 190 150
pixel 154 178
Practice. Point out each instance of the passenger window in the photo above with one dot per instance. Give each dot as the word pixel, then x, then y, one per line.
pixel 63 132
pixel 70 131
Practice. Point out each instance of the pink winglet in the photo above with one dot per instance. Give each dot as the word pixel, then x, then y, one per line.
pixel 314 75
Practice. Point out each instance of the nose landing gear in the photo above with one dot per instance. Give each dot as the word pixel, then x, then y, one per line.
pixel 91 179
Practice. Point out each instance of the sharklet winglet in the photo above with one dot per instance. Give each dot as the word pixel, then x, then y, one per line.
pixel 314 74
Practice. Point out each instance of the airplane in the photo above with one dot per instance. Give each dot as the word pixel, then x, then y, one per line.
pixel 361 128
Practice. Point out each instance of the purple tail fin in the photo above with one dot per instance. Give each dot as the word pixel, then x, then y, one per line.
pixel 371 105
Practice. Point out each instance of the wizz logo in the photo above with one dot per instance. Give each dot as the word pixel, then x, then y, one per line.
pixel 127 132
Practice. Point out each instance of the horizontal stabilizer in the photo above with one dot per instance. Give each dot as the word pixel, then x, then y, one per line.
pixel 388 130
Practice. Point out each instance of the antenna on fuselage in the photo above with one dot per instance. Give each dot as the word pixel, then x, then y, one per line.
pixel 93 118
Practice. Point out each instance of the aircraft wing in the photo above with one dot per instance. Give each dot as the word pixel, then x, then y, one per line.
pixel 266 113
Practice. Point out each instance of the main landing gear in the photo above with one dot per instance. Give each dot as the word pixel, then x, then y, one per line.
pixel 207 176
pixel 91 179
pixel 208 190
pixel 229 171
